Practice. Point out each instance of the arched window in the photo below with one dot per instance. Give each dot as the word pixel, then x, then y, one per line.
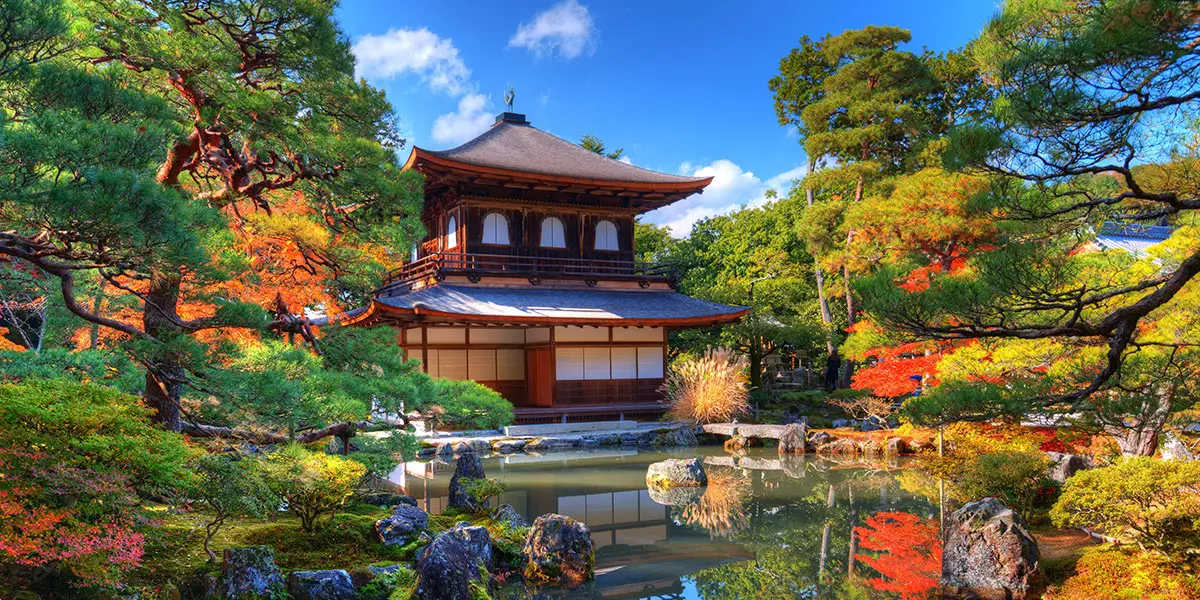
pixel 606 236
pixel 495 229
pixel 552 233
pixel 451 232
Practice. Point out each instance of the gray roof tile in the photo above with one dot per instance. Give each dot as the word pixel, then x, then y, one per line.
pixel 592 304
pixel 522 147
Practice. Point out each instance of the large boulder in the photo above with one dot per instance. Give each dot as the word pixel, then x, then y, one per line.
pixel 990 555
pixel 684 434
pixel 446 569
pixel 674 472
pixel 469 466
pixel 839 446
pixel 820 438
pixel 560 550
pixel 1064 466
pixel 249 572
pixel 476 541
pixel 872 447
pixel 334 584
pixel 896 446
pixel 794 439
pixel 509 515
pixel 405 525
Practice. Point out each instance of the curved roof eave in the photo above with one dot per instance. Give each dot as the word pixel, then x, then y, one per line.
pixel 692 186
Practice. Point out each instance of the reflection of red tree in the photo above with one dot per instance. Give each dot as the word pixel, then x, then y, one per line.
pixel 910 553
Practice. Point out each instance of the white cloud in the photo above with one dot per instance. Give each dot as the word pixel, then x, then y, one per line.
pixel 566 29
pixel 732 188
pixel 418 51
pixel 471 119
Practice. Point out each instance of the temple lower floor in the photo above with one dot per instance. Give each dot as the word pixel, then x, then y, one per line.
pixel 551 373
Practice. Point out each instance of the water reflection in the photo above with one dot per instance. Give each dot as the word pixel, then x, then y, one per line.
pixel 764 528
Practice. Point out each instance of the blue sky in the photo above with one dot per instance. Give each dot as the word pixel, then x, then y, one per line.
pixel 681 86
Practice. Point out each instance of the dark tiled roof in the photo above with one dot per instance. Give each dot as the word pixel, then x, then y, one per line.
pixel 539 304
pixel 1135 238
pixel 1138 230
pixel 516 146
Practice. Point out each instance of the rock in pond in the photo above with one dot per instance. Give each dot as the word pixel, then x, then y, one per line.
pixel 1064 466
pixel 468 466
pixel 990 555
pixel 839 446
pixel 820 438
pixel 333 584
pixel 509 515
pixel 676 473
pixel 446 570
pixel 675 495
pixel 794 439
pixel 896 446
pixel 405 525
pixel 560 550
pixel 248 573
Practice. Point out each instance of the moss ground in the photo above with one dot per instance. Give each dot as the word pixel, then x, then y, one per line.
pixel 346 542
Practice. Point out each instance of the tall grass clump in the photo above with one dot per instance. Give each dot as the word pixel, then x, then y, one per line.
pixel 708 389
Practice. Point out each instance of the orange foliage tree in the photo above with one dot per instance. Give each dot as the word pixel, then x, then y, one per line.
pixel 909 553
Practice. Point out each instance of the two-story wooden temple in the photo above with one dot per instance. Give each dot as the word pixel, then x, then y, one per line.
pixel 526 281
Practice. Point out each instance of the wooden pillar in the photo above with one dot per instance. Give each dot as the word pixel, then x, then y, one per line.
pixel 425 349
pixel 553 370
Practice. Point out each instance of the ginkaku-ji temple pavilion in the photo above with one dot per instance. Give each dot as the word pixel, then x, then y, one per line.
pixel 526 281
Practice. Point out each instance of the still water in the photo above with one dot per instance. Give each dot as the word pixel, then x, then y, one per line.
pixel 764 528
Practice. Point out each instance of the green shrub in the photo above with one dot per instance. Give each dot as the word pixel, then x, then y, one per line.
pixel 312 484
pixel 1153 503
pixel 400 584
pixel 380 455
pixel 483 490
pixel 469 405
pixel 1014 478
pixel 231 486
pixel 74 460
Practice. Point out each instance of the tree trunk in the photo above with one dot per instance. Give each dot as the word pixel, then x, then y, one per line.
pixel 834 360
pixel 165 373
pixel 755 363
pixel 1138 436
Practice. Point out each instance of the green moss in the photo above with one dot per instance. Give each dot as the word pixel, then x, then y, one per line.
pixel 348 542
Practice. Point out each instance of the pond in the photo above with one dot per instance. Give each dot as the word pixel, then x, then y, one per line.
pixel 764 528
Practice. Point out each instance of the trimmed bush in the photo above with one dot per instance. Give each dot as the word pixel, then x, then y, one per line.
pixel 1142 500
pixel 312 484
pixel 1014 478
pixel 77 461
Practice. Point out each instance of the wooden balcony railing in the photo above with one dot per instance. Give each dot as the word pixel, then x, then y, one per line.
pixel 437 266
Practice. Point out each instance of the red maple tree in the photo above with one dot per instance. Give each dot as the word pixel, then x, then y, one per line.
pixel 908 553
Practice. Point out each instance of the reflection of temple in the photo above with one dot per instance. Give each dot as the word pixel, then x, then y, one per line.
pixel 763 520
pixel 640 551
